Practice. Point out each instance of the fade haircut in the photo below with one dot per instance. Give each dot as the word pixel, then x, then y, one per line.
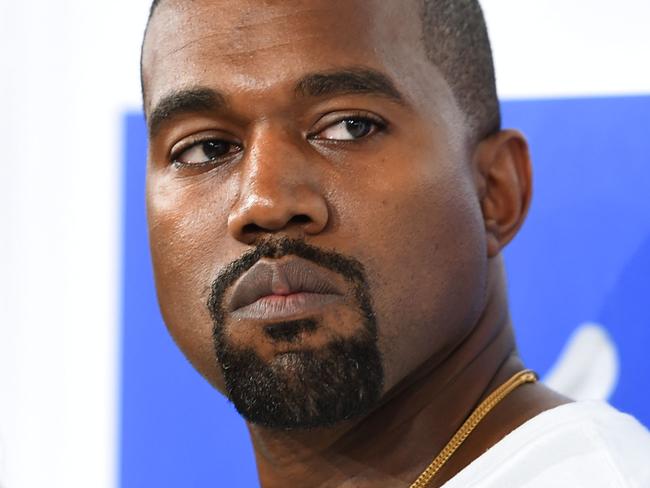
pixel 456 40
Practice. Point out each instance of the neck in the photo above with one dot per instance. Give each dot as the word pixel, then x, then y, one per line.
pixel 396 441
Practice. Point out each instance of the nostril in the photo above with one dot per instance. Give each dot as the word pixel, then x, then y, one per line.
pixel 251 229
pixel 255 229
pixel 300 219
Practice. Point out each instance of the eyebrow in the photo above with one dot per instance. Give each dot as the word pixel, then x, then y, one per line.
pixel 349 81
pixel 331 83
pixel 187 100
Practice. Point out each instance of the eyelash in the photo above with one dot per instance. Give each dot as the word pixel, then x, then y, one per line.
pixel 176 153
pixel 380 126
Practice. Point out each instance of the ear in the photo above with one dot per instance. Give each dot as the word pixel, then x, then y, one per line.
pixel 504 182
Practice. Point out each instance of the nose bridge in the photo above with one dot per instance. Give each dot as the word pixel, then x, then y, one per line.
pixel 275 165
pixel 279 188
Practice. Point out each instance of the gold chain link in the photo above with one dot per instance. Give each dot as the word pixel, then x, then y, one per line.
pixel 526 376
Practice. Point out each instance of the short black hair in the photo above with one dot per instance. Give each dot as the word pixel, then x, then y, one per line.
pixel 455 38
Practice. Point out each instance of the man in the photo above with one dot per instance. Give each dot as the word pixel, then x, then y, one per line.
pixel 329 191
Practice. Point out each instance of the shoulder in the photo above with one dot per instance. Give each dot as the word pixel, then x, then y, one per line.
pixel 581 444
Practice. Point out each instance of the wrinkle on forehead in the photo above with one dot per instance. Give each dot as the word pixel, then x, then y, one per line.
pixel 187 40
pixel 253 31
pixel 244 28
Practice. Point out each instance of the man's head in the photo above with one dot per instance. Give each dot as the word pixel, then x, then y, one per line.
pixel 327 189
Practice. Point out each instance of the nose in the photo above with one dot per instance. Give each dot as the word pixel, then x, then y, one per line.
pixel 280 192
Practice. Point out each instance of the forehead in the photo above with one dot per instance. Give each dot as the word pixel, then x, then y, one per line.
pixel 249 45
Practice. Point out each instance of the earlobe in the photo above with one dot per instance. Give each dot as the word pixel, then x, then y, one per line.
pixel 504 183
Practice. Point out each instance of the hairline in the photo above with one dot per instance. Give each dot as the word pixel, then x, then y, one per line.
pixel 477 131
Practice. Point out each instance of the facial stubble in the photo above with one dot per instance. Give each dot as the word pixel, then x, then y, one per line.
pixel 307 388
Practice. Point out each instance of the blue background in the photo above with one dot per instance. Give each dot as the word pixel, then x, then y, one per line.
pixel 583 255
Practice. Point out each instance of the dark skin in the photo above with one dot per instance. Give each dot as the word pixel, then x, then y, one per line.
pixel 406 189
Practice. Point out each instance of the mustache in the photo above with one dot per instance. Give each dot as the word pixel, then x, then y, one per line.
pixel 349 268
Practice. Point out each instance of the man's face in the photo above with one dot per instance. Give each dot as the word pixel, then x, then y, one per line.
pixel 291 141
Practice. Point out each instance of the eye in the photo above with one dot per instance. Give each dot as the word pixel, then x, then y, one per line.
pixel 350 129
pixel 204 152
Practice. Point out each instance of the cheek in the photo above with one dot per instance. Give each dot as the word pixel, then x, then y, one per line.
pixel 186 249
pixel 424 249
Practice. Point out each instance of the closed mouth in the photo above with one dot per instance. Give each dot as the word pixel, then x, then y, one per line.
pixel 280 307
pixel 282 289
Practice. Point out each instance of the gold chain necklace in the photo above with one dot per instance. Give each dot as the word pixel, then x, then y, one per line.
pixel 525 376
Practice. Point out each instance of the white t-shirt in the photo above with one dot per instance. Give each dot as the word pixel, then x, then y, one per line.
pixel 577 445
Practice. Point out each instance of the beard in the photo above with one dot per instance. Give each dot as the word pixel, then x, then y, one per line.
pixel 302 389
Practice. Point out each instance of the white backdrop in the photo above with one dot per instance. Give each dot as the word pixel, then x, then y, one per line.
pixel 69 71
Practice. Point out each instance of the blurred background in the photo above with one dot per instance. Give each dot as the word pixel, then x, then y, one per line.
pixel 92 391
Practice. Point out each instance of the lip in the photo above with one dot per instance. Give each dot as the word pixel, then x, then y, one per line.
pixel 278 307
pixel 284 288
